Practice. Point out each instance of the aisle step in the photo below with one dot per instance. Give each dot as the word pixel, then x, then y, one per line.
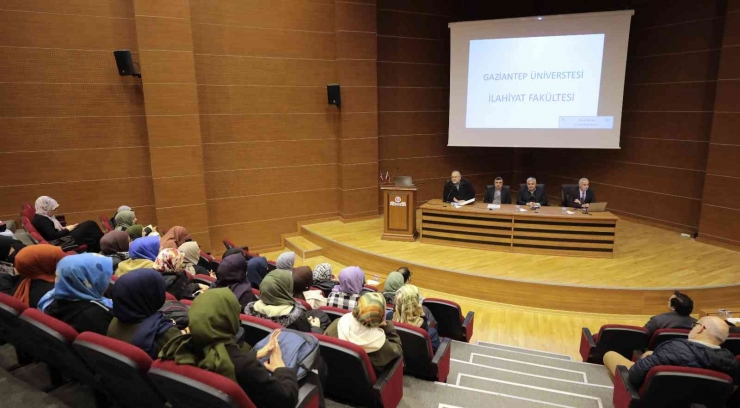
pixel 524 350
pixel 302 247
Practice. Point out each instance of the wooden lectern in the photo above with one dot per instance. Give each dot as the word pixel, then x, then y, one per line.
pixel 399 207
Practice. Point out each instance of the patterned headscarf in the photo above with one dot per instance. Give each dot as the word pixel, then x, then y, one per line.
pixel 124 219
pixel 169 260
pixel 36 262
pixel 285 261
pixel 81 277
pixel 351 280
pixel 408 306
pixel 370 310
pixel 44 206
pixel 175 237
pixel 322 273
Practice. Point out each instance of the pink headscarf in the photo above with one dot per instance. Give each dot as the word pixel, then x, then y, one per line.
pixel 351 280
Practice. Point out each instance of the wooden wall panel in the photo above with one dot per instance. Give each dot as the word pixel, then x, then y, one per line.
pixel 268 127
pixel 254 182
pixel 237 156
pixel 271 206
pixel 275 14
pixel 98 8
pixel 229 40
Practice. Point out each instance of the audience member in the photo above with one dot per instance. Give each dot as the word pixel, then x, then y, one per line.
pixel 393 282
pixel 175 237
pixel 210 345
pixel 701 350
pixel 77 298
pixel 302 280
pixel 191 251
pixel 142 254
pixel 232 274
pixel 286 260
pixel 125 219
pixel 35 266
pixel 115 246
pixel 256 270
pixel 9 248
pixel 323 278
pixel 406 274
pixel 137 298
pixel 121 208
pixel 86 232
pixel 680 307
pixel 366 327
pixel 277 304
pixel 408 309
pixel 345 295
pixel 169 263
pixel 135 231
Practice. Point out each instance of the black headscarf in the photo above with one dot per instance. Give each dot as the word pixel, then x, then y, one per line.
pixel 257 270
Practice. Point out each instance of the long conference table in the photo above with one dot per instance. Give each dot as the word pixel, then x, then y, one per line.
pixel 546 231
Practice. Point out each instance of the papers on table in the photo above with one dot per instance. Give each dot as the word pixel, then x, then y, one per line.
pixel 494 206
pixel 570 212
pixel 522 209
pixel 462 203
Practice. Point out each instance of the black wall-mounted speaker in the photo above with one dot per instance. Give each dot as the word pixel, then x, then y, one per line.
pixel 332 92
pixel 125 63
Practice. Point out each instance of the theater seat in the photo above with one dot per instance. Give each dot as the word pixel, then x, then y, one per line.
pixel 106 223
pixel 733 343
pixel 256 329
pixel 169 296
pixel 121 368
pixel 352 377
pixel 418 358
pixel 186 302
pixel 203 279
pixel 28 211
pixel 662 335
pixel 305 304
pixel 11 325
pixel 612 337
pixel 256 293
pixel 673 387
pixel 334 313
pixel 371 288
pixel 211 262
pixel 566 189
pixel 450 321
pixel 187 386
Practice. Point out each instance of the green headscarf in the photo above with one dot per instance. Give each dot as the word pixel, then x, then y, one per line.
pixel 393 283
pixel 214 321
pixel 135 231
pixel 124 219
pixel 276 289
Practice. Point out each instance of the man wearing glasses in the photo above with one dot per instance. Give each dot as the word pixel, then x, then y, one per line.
pixel 701 350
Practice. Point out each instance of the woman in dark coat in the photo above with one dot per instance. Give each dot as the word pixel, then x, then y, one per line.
pixel 232 274
pixel 86 232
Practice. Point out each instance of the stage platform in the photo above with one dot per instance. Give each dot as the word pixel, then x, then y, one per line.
pixel 648 264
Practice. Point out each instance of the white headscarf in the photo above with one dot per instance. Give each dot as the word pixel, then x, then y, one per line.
pixel 191 250
pixel 45 205
pixel 351 330
pixel 285 261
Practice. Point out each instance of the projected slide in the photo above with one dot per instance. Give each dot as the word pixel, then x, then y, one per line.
pixel 549 82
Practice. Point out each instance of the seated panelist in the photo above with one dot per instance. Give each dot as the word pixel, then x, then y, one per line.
pixel 532 194
pixel 457 189
pixel 580 197
pixel 498 194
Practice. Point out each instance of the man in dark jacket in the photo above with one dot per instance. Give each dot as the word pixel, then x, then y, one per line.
pixel 532 194
pixel 457 189
pixel 679 317
pixel 701 350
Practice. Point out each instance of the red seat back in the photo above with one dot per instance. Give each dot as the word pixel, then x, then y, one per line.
pixel 334 313
pixel 187 386
pixel 122 368
pixel 28 211
pixel 186 302
pixel 417 349
pixel 169 296
pixel 622 339
pixel 10 322
pixel 256 292
pixel 106 223
pixel 305 304
pixel 449 318
pixel 351 375
pixel 680 387
pixel 203 279
pixel 663 335
pixel 256 329
pixel 733 343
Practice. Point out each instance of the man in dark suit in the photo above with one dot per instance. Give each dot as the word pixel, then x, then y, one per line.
pixel 532 194
pixel 679 317
pixel 581 196
pixel 498 194
pixel 457 189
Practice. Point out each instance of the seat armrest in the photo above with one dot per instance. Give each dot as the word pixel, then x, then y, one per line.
pixel 637 354
pixel 468 325
pixel 587 344
pixel 308 394
pixel 388 388
pixel 624 393
pixel 441 360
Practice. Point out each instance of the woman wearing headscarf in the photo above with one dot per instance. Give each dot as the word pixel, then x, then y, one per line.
pixel 137 298
pixel 77 298
pixel 135 231
pixel 391 285
pixel 232 274
pixel 36 266
pixel 9 248
pixel 169 263
pixel 286 260
pixel 115 245
pixel 142 254
pixel 210 345
pixel 302 280
pixel 408 309
pixel 191 251
pixel 121 208
pixel 323 278
pixel 175 237
pixel 86 232
pixel 366 327
pixel 125 219
pixel 277 304
pixel 346 294
pixel 256 270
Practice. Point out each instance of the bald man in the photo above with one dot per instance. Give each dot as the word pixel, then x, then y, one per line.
pixel 457 189
pixel 701 350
